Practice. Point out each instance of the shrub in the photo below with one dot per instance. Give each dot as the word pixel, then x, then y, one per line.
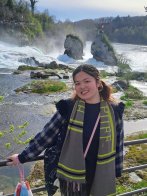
pixel 133 93
pixel 145 102
pixel 107 42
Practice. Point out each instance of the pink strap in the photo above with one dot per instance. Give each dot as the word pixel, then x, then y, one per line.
pixel 21 172
pixel 91 137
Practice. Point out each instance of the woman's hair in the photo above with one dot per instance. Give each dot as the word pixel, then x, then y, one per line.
pixel 104 89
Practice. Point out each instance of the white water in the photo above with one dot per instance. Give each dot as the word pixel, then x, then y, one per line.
pixel 135 54
pixel 10 55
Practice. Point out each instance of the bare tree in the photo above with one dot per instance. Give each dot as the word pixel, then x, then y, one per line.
pixel 33 2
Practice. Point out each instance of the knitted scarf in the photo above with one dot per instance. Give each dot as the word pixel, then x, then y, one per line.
pixel 71 167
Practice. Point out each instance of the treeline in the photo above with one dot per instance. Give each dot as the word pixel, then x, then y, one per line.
pixel 119 29
pixel 20 15
pixel 21 23
pixel 128 30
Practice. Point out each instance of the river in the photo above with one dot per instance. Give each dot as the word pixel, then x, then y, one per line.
pixel 37 110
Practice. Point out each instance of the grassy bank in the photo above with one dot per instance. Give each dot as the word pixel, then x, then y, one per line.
pixel 43 86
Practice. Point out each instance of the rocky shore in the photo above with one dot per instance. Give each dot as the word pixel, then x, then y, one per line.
pixel 136 111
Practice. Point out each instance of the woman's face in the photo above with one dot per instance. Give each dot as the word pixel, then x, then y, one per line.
pixel 86 87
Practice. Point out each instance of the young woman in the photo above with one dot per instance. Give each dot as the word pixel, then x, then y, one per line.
pixel 83 140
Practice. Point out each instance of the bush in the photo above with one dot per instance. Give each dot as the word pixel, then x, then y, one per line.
pixel 145 102
pixel 133 93
pixel 107 42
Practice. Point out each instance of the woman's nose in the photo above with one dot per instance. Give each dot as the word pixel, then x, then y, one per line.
pixel 82 85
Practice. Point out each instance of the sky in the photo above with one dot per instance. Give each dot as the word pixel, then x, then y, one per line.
pixel 75 10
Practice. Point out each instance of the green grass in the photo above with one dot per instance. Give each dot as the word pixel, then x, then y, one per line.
pixel 130 187
pixel 27 67
pixel 129 103
pixel 140 135
pixel 44 86
pixel 1 98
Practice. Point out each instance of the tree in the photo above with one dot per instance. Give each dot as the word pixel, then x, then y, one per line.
pixel 33 2
pixel 2 3
pixel 10 4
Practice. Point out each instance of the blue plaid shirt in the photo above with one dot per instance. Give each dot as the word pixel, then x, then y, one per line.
pixel 48 135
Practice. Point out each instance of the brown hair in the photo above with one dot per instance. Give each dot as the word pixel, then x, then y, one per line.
pixel 105 90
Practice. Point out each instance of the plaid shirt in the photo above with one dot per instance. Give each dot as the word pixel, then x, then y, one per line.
pixel 119 145
pixel 48 135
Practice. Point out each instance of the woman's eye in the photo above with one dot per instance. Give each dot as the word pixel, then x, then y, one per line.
pixel 87 81
pixel 76 84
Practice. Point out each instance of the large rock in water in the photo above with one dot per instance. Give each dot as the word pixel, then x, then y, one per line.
pixel 73 47
pixel 101 52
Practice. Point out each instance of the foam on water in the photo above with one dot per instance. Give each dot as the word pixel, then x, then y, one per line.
pixel 10 55
pixel 135 54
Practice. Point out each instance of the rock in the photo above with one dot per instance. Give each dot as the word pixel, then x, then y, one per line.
pixel 120 85
pixel 43 75
pixel 52 65
pixel 134 178
pixel 30 61
pixel 16 72
pixel 65 77
pixel 142 174
pixel 73 47
pixel 101 52
pixel 38 75
pixel 65 67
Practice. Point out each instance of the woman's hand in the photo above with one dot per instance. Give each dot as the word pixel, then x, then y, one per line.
pixel 13 160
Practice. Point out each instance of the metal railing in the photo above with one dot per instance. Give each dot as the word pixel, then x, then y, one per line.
pixel 126 170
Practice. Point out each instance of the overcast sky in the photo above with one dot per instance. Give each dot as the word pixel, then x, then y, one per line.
pixel 89 9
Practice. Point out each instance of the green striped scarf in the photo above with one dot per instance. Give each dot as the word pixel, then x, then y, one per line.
pixel 71 167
